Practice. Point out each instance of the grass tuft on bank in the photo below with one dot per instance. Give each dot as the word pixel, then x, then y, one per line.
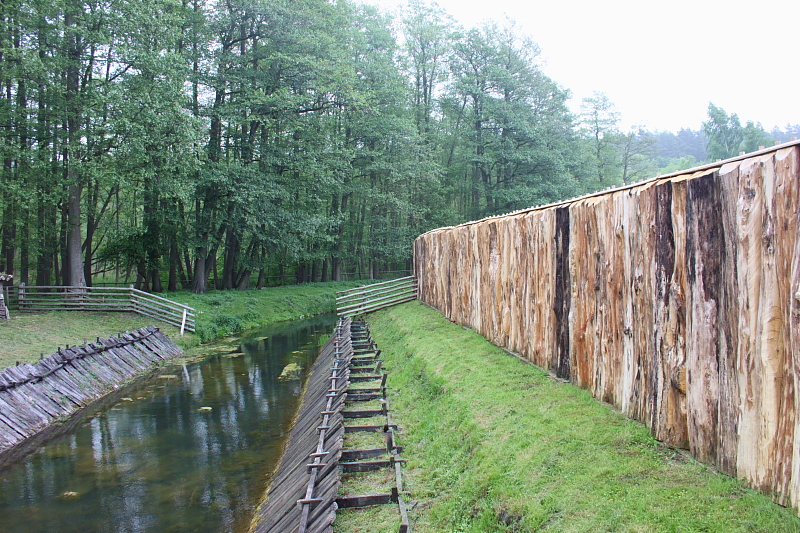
pixel 219 314
pixel 496 445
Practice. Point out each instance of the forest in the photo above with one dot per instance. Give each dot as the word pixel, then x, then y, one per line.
pixel 226 144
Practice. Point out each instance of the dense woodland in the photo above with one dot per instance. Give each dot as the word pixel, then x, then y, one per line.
pixel 219 143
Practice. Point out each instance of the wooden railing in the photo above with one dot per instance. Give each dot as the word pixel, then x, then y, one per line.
pixel 361 300
pixel 61 298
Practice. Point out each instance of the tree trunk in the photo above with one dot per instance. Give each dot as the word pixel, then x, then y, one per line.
pixel 229 258
pixel 211 268
pixel 337 269
pixel 244 280
pixel 9 236
pixel 24 255
pixel 73 267
pixel 324 270
pixel 314 270
pixel 44 262
pixel 174 263
pixel 200 274
pixel 88 245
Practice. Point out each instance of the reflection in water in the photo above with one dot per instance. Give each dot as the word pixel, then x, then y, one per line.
pixel 189 450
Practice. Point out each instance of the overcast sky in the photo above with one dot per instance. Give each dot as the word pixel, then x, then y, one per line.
pixel 661 63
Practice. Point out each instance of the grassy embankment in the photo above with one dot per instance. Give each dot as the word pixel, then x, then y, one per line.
pixel 494 444
pixel 220 313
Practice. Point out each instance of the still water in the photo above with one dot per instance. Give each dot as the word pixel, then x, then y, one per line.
pixel 187 451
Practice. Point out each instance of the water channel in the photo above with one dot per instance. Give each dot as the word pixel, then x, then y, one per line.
pixel 189 450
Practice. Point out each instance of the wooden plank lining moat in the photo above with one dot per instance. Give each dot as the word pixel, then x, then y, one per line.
pixel 33 397
pixel 304 494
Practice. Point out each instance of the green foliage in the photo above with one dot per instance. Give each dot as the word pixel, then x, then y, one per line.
pixel 600 130
pixel 681 163
pixel 685 143
pixel 755 138
pixel 726 136
pixel 199 145
pixel 724 133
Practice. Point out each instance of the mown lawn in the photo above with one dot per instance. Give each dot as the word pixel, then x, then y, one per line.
pixel 219 314
pixel 494 444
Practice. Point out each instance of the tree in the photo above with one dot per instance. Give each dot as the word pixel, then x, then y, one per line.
pixel 299 137
pixel 754 137
pixel 724 133
pixel 599 127
pixel 638 155
pixel 429 32
pixel 512 128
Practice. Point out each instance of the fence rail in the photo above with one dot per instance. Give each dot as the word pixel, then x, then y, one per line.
pixel 61 298
pixel 361 300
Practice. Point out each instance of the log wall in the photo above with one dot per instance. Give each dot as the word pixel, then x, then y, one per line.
pixel 35 397
pixel 677 301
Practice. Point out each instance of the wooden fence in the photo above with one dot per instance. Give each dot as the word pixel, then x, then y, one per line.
pixel 361 300
pixel 61 298
pixel 676 300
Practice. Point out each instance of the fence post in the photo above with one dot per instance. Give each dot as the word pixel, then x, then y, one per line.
pixel 183 321
pixel 20 295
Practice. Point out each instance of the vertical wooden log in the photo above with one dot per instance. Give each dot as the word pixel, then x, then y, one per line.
pixel 778 343
pixel 729 363
pixel 668 413
pixel 704 256
pixel 518 319
pixel 582 246
pixel 494 284
pixel 563 295
pixel 767 435
pixel 648 378
pixel 749 220
pixel 788 165
pixel 610 301
pixel 542 282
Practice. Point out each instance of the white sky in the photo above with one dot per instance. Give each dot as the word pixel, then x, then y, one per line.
pixel 661 63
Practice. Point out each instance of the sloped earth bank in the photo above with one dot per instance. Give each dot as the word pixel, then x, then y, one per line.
pixel 496 444
pixel 188 450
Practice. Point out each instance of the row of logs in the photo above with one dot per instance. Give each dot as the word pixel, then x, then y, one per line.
pixel 677 301
pixel 32 397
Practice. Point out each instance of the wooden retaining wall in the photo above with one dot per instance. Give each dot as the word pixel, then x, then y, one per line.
pixel 33 397
pixel 677 301
pixel 302 494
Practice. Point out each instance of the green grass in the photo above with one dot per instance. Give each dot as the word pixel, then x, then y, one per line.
pixel 27 335
pixel 224 313
pixel 219 314
pixel 494 444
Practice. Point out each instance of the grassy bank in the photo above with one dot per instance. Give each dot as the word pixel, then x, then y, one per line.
pixel 223 313
pixel 219 314
pixel 494 444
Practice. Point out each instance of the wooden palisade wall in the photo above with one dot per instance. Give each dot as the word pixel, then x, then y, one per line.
pixel 677 301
